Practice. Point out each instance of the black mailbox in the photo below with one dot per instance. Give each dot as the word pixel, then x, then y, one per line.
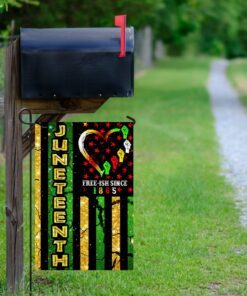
pixel 76 63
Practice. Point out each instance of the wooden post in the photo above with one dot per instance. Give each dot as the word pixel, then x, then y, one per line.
pixel 14 200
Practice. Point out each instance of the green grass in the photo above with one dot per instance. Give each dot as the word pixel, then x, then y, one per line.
pixel 188 239
pixel 237 72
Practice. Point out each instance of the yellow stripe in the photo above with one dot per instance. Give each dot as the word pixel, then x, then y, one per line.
pixel 84 233
pixel 37 196
pixel 116 233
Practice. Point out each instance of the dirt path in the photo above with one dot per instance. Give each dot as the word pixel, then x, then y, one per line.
pixel 231 127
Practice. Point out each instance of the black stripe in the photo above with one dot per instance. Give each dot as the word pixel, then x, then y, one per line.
pixel 108 232
pixel 92 232
pixel 44 196
pixel 77 161
pixel 124 232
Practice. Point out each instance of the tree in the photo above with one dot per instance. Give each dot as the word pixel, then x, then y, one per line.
pixel 82 13
pixel 209 26
pixel 16 3
pixel 3 5
pixel 213 26
pixel 219 27
pixel 176 20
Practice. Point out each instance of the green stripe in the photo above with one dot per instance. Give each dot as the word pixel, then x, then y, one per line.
pixel 130 232
pixel 51 192
pixel 69 193
pixel 100 236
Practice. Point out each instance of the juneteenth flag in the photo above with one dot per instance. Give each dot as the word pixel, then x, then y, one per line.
pixel 84 196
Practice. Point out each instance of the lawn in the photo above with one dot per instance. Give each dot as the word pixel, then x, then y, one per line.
pixel 188 238
pixel 238 74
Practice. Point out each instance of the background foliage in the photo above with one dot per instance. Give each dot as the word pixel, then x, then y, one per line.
pixel 208 27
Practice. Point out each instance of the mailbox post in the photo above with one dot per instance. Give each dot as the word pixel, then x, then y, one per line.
pixel 53 72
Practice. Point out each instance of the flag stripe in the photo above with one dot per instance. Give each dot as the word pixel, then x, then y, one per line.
pixel 37 196
pixel 130 232
pixel 84 233
pixel 100 233
pixel 69 194
pixel 77 198
pixel 108 233
pixel 51 193
pixel 124 232
pixel 116 232
pixel 92 233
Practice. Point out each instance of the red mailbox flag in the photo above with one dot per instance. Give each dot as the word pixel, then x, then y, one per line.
pixel 120 21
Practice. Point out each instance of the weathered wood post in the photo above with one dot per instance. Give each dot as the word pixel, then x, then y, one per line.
pixel 14 200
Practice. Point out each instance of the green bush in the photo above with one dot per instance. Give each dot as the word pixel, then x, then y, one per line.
pixel 217 48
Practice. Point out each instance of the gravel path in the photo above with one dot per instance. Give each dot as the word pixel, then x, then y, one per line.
pixel 231 127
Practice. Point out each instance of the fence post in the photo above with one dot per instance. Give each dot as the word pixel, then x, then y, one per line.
pixel 159 51
pixel 14 199
pixel 144 46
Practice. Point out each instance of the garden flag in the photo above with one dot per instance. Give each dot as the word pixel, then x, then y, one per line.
pixel 84 196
